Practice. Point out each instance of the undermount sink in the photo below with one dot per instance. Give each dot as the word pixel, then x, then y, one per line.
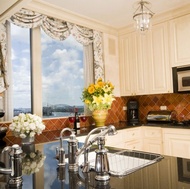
pixel 124 162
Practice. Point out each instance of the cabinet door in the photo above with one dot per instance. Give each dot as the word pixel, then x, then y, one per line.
pixel 153 145
pixel 152 139
pixel 115 140
pixel 180 41
pixel 132 138
pixel 177 142
pixel 127 62
pixel 133 64
pixel 160 73
pixel 142 65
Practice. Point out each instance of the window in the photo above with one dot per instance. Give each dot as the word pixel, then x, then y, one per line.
pixel 20 51
pixel 62 73
pixel 62 76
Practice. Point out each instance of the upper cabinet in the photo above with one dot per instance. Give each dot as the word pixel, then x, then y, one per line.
pixel 144 62
pixel 127 45
pixel 160 73
pixel 133 64
pixel 180 41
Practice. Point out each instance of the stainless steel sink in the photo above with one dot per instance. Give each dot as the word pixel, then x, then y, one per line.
pixel 124 162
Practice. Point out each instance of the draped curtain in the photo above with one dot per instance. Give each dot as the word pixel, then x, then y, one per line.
pixel 57 29
pixel 60 30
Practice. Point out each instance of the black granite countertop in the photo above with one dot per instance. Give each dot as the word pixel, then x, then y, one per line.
pixel 41 171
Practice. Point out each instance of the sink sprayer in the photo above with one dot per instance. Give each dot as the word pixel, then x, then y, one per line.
pixel 101 164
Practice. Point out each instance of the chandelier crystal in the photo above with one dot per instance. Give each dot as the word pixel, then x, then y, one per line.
pixel 142 16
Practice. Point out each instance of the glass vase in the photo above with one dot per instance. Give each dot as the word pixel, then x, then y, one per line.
pixel 28 140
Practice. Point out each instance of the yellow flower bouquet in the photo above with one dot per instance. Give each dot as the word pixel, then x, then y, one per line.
pixel 98 96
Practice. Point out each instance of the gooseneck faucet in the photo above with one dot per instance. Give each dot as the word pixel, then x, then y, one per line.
pixel 72 149
pixel 15 170
pixel 110 130
pixel 60 152
pixel 101 164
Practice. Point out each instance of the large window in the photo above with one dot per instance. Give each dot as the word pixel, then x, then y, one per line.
pixel 62 73
pixel 62 76
pixel 21 80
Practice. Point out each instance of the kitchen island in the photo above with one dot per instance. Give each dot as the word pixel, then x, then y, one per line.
pixel 43 173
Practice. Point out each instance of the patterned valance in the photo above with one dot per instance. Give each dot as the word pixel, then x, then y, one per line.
pixel 55 28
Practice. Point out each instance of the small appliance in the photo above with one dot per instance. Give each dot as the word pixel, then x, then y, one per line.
pixel 181 79
pixel 133 112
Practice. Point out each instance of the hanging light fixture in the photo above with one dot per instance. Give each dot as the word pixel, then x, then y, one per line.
pixel 142 15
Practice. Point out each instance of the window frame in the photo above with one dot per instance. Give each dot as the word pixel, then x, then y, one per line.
pixel 36 72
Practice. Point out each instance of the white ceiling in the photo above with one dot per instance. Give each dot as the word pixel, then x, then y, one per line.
pixel 115 13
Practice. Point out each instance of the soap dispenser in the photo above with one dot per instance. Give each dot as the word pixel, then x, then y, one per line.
pixel 72 150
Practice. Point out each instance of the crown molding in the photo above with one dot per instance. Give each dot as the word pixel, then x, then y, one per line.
pixel 13 8
pixel 60 13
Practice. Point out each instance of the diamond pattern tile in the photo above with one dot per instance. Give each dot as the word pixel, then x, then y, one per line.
pixel 177 102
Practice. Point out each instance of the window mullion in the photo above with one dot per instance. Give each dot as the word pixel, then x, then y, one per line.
pixel 36 79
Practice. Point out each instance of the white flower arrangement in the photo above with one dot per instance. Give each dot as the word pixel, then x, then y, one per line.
pixel 25 125
pixel 32 162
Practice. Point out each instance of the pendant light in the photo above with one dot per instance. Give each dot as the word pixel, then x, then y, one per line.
pixel 142 15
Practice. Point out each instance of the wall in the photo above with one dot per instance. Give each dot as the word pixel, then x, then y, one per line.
pixel 178 102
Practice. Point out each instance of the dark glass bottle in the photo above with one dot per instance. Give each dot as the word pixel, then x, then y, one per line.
pixel 77 120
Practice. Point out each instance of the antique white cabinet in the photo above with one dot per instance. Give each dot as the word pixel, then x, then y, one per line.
pixel 144 62
pixel 133 138
pixel 130 138
pixel 133 71
pixel 160 72
pixel 152 139
pixel 180 41
pixel 166 141
pixel 127 64
pixel 176 142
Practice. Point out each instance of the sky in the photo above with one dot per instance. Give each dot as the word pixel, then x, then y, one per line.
pixel 62 69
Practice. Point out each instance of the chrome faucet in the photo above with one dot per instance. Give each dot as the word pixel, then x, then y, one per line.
pixel 60 152
pixel 15 170
pixel 101 167
pixel 72 149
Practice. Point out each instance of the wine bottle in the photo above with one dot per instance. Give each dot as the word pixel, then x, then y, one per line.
pixel 77 121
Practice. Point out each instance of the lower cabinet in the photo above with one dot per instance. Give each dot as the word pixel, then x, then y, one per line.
pixel 152 140
pixel 166 141
pixel 132 138
pixel 177 142
pixel 126 138
pixel 115 140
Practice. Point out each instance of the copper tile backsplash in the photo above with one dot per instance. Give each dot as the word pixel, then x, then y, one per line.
pixel 178 102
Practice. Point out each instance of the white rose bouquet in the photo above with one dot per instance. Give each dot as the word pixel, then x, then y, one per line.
pixel 25 125
pixel 32 162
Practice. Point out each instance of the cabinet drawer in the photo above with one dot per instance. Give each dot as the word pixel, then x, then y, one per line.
pixel 132 134
pixel 152 133
pixel 133 145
